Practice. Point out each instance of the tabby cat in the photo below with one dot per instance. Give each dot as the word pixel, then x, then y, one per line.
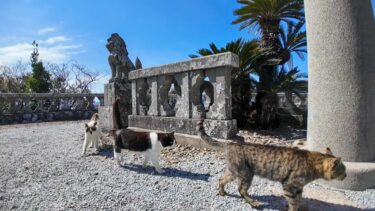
pixel 293 167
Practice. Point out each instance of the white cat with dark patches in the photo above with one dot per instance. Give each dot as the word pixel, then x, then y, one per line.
pixel 148 143
pixel 92 134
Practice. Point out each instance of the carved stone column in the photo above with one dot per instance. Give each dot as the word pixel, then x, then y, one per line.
pixel 341 103
pixel 119 86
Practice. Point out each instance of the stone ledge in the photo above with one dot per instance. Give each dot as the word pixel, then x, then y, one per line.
pixel 224 129
pixel 207 62
pixel 192 140
pixel 360 176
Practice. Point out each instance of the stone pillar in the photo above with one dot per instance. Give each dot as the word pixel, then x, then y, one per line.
pixel 341 103
pixel 118 89
pixel 153 84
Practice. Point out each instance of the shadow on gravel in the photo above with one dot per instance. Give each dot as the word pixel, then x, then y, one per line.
pixel 169 172
pixel 107 153
pixel 279 203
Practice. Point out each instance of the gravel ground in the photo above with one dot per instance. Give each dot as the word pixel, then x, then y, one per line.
pixel 42 169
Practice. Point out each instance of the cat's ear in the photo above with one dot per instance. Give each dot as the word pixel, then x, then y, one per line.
pixel 328 151
pixel 86 125
pixel 335 162
pixel 172 133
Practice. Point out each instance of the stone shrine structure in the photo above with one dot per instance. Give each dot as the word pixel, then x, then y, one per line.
pixel 341 65
pixel 119 85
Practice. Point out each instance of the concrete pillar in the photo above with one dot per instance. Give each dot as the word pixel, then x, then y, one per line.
pixel 341 103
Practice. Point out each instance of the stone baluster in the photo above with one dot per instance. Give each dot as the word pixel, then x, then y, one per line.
pixel 154 104
pixel 90 103
pixel 183 104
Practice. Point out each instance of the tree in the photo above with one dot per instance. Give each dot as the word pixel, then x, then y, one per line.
pixel 13 78
pixel 60 77
pixel 266 17
pixel 276 46
pixel 84 78
pixel 40 79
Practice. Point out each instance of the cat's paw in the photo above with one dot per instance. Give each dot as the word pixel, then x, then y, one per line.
pixel 254 204
pixel 222 193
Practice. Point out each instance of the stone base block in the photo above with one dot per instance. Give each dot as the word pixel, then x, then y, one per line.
pixel 192 140
pixel 223 129
pixel 105 118
pixel 360 176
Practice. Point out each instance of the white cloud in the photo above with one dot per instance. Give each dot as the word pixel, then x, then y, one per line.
pixel 53 40
pixel 21 51
pixel 46 30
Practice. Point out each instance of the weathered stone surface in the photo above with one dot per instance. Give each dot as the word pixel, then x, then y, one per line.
pixel 17 118
pixel 207 62
pixel 221 80
pixel 224 129
pixel 118 58
pixel 341 113
pixel 112 91
pixel 105 115
pixel 154 106
pixel 183 109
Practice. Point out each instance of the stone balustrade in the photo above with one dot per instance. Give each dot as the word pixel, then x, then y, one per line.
pixel 171 97
pixel 34 107
pixel 292 109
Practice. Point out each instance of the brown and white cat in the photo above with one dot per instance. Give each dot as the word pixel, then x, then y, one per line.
pixel 294 168
pixel 148 143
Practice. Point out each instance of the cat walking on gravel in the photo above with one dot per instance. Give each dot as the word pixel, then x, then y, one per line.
pixel 92 134
pixel 294 168
pixel 148 143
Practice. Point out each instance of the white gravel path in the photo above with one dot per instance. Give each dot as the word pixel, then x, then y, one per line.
pixel 42 169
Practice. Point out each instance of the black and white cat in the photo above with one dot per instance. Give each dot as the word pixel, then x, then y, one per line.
pixel 92 134
pixel 148 143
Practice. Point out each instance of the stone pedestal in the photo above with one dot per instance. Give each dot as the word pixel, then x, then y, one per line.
pixel 341 111
pixel 118 89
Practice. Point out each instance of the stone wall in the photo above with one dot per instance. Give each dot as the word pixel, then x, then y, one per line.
pixel 171 97
pixel 292 109
pixel 38 107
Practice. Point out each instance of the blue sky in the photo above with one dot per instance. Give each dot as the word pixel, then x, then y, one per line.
pixel 158 32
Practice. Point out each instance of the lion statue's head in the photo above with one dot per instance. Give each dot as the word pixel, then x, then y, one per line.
pixel 117 47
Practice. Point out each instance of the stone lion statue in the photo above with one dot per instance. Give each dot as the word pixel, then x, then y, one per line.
pixel 118 59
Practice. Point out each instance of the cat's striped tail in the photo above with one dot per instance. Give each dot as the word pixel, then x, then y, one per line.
pixel 206 138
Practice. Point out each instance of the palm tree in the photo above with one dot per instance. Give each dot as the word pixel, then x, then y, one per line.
pixel 265 16
pixel 276 45
pixel 292 40
pixel 247 52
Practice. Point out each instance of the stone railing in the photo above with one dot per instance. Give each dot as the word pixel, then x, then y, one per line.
pixel 292 109
pixel 36 107
pixel 171 97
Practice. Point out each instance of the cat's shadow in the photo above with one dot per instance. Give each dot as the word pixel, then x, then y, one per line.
pixel 168 172
pixel 279 203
